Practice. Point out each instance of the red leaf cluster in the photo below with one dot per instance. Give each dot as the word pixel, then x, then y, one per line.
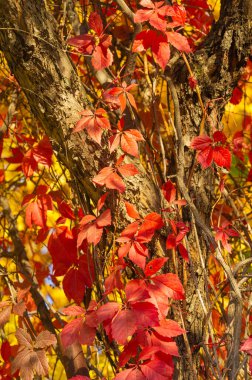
pixel 212 150
pixel 91 228
pixel 37 206
pixel 108 176
pixel 31 356
pixel 95 45
pixel 117 97
pixel 78 271
pixel 94 123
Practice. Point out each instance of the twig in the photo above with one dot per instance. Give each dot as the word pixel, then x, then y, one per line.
pixel 131 61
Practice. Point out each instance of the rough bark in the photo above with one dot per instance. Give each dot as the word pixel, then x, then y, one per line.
pixel 37 58
pixel 218 65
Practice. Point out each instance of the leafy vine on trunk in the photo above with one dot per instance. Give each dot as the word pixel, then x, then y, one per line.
pixel 131 111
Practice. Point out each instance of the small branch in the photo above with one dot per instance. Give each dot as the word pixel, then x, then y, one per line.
pixel 131 61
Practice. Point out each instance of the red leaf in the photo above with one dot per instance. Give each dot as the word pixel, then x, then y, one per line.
pixel 154 13
pixel 169 328
pixel 169 191
pixel 74 310
pixel 219 136
pixel 129 140
pixel 113 281
pixel 236 96
pixel 63 249
pixel 171 241
pixel 130 374
pixel 102 56
pixel 155 370
pixel 170 285
pixel 183 252
pixel 110 179
pixel 87 334
pixel 201 142
pixel 127 170
pixel 104 219
pixel 135 291
pixel 123 325
pixel 107 311
pixel 151 223
pixel 70 332
pixel 247 346
pixel 138 253
pixel 131 210
pixel 102 201
pixel 178 41
pixel 94 123
pixel 74 285
pixel 42 152
pixel 95 23
pixel 222 157
pixel 146 314
pixel 35 212
pixel 154 265
pixel 205 157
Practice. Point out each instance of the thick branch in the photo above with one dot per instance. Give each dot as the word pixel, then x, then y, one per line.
pixel 30 42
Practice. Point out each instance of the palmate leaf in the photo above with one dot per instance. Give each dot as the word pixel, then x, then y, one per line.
pixel 97 46
pixel 123 325
pixel 109 178
pixel 154 12
pixel 63 248
pixel 94 123
pixel 35 212
pixel 209 152
pixel 128 141
pixel 168 328
pixel 91 228
pixel 31 356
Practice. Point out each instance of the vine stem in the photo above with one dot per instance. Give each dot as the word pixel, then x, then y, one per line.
pixel 202 123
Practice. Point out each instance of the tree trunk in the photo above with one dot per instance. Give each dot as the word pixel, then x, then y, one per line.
pixel 37 58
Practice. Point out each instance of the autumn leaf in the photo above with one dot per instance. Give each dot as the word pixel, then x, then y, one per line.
pixel 154 13
pixel 247 346
pixel 62 246
pixel 212 150
pixel 5 312
pixel 91 228
pixel 96 45
pixel 154 266
pixel 41 153
pixel 31 356
pixel 168 328
pixel 109 178
pixel 223 233
pixel 120 95
pixel 94 123
pixel 127 140
pixel 178 41
pixel 35 212
pixel 123 325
